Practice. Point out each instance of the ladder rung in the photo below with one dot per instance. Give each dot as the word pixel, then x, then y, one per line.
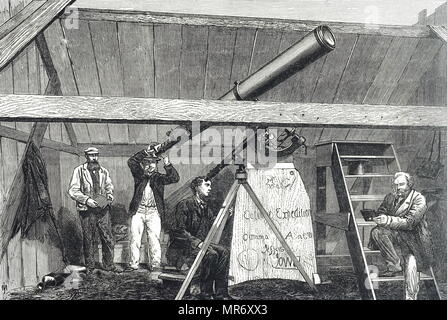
pixel 367 197
pixel 423 277
pixel 366 157
pixel 369 176
pixel 384 143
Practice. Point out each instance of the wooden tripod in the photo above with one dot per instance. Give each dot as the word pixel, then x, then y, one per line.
pixel 241 179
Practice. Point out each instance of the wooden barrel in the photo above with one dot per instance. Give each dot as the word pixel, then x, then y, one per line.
pixel 256 253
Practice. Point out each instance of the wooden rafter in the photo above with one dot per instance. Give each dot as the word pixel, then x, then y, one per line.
pixel 20 17
pixel 21 32
pixel 113 150
pixel 214 112
pixel 440 32
pixel 17 34
pixel 21 136
pixel 148 17
pixel 71 134
pixel 54 83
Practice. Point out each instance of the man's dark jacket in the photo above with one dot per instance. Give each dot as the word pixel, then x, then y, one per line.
pixel 157 182
pixel 192 224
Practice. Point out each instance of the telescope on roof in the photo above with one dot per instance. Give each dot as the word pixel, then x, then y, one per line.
pixel 311 47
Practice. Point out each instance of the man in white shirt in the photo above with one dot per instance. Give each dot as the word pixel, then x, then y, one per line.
pixel 147 205
pixel 90 183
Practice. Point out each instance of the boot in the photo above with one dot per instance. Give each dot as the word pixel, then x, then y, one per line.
pixel 206 290
pixel 222 291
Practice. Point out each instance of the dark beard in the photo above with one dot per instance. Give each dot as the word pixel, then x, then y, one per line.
pixel 94 165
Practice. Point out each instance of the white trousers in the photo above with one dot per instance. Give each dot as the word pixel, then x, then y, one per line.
pixel 411 278
pixel 149 218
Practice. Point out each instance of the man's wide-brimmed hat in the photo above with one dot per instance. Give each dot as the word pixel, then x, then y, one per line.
pixel 91 150
pixel 152 152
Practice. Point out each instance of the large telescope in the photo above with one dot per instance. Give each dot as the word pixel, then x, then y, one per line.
pixel 314 45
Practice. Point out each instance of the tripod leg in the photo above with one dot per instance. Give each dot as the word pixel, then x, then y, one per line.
pixel 223 212
pixel 278 235
pixel 219 231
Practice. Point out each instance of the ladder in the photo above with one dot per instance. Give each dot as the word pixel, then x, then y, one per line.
pixel 361 174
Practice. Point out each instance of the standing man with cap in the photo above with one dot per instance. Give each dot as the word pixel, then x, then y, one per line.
pixel 92 189
pixel 147 207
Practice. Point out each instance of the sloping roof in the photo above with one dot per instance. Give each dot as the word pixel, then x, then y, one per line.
pixel 145 54
pixel 440 31
pixel 192 57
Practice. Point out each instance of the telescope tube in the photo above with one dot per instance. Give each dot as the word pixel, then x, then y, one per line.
pixel 314 45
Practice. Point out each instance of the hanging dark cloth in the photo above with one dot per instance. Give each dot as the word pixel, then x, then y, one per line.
pixel 35 200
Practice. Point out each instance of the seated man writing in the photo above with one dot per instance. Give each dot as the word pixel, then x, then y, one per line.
pixel 401 224
pixel 193 220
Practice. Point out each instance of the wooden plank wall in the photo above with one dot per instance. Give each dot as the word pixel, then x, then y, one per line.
pixel 28 260
pixel 402 62
pixel 24 75
pixel 180 61
pixel 433 91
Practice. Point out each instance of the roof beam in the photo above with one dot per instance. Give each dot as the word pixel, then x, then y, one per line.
pixel 54 83
pixel 440 32
pixel 20 17
pixel 215 112
pixel 21 136
pixel 114 150
pixel 24 29
pixel 147 17
pixel 71 133
pixel 126 150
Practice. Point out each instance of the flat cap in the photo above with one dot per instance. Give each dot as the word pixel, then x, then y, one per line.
pixel 91 150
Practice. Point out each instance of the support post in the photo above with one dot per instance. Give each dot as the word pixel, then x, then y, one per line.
pixel 320 243
pixel 54 83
